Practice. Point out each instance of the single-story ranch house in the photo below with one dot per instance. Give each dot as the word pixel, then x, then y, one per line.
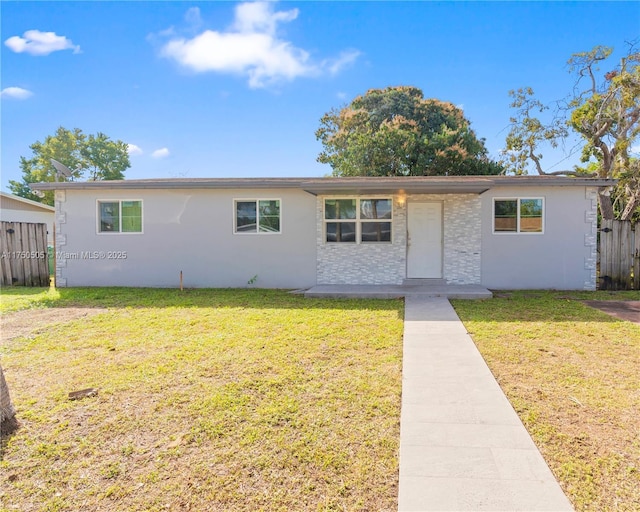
pixel 501 232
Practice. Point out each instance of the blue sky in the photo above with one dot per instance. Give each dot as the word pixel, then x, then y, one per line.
pixel 224 89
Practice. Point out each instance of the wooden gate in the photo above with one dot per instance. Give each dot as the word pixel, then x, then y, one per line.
pixel 619 255
pixel 24 257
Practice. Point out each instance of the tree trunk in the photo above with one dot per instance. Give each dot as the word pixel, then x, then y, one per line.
pixel 606 205
pixel 7 412
pixel 632 203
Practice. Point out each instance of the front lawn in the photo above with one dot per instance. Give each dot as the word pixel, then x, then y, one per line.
pixel 208 400
pixel 260 400
pixel 573 375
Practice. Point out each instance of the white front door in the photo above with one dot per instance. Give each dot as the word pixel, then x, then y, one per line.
pixel 424 240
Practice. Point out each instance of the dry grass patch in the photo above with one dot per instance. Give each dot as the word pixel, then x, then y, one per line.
pixel 208 400
pixel 572 374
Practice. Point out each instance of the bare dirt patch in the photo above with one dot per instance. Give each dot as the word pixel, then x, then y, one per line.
pixel 33 321
pixel 623 309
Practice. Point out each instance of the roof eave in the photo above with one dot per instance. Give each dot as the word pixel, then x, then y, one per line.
pixel 217 183
pixel 351 185
pixel 397 187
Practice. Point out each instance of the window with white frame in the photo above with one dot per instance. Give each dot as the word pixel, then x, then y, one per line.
pixel 518 215
pixel 358 220
pixel 121 216
pixel 257 216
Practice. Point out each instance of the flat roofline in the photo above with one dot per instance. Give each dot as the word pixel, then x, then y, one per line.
pixel 400 185
pixel 158 183
pixel 332 185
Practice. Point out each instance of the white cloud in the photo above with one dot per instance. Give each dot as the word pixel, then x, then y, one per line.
pixel 35 42
pixel 160 153
pixel 635 149
pixel 192 17
pixel 132 149
pixel 17 93
pixel 346 58
pixel 254 17
pixel 252 48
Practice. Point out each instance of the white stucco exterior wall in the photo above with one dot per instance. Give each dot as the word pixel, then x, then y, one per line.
pixel 188 230
pixel 563 257
pixel 191 230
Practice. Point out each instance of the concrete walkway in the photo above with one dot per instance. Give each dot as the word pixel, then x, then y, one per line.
pixel 462 446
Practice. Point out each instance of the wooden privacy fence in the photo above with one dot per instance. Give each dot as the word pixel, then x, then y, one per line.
pixel 24 257
pixel 619 255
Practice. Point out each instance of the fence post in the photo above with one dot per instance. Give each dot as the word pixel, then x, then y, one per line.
pixel 5 263
pixel 606 243
pixel 636 257
pixel 626 255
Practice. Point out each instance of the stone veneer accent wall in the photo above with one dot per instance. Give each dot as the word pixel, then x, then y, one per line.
pixel 61 238
pixel 370 263
pixel 386 263
pixel 591 239
pixel 462 234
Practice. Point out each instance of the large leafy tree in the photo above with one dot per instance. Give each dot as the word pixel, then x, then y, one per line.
pixel 397 132
pixel 93 157
pixel 604 111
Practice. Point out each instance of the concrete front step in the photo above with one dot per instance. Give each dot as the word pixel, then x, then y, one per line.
pixel 347 291
pixel 424 282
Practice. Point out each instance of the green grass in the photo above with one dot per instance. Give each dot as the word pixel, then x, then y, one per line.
pixel 573 375
pixel 260 400
pixel 208 400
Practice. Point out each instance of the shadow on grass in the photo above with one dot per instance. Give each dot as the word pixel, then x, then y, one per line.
pixel 540 306
pixel 193 298
pixel 21 290
pixel 8 427
pixel 515 306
